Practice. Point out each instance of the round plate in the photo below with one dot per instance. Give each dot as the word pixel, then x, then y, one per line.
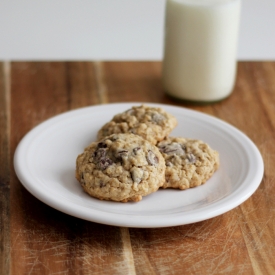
pixel 44 162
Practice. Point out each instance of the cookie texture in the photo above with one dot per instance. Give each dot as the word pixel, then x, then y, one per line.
pixel 153 124
pixel 120 167
pixel 189 162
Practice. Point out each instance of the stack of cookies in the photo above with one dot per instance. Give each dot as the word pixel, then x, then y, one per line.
pixel 134 157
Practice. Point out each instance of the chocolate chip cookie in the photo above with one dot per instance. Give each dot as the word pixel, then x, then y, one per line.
pixel 189 162
pixel 151 123
pixel 120 167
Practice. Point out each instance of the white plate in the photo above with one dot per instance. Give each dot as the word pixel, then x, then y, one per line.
pixel 45 164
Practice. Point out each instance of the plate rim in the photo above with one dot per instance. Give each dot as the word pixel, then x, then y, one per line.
pixel 77 211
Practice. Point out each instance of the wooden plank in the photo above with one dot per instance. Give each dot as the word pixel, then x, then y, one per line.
pixel 82 84
pixel 132 81
pixel 4 170
pixel 257 223
pixel 43 240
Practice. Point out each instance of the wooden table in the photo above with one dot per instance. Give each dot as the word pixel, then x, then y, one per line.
pixel 37 239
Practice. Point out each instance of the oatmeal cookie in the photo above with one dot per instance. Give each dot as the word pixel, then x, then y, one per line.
pixel 189 162
pixel 120 167
pixel 151 123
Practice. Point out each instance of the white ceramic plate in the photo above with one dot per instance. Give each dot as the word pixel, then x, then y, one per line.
pixel 45 164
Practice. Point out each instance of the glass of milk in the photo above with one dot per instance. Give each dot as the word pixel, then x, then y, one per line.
pixel 200 48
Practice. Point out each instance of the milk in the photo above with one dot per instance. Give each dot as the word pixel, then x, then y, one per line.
pixel 200 47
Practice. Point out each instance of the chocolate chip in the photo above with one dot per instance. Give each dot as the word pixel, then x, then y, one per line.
pixel 102 145
pixel 104 163
pixel 191 158
pixel 100 157
pixel 136 174
pixel 99 154
pixel 152 158
pixel 157 118
pixel 102 184
pixel 136 150
pixel 172 149
pixel 122 153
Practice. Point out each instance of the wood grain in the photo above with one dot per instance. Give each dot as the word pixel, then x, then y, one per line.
pixel 211 247
pixel 4 170
pixel 43 240
pixel 36 239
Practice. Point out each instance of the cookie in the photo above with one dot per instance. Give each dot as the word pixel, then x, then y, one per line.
pixel 120 167
pixel 189 162
pixel 151 123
